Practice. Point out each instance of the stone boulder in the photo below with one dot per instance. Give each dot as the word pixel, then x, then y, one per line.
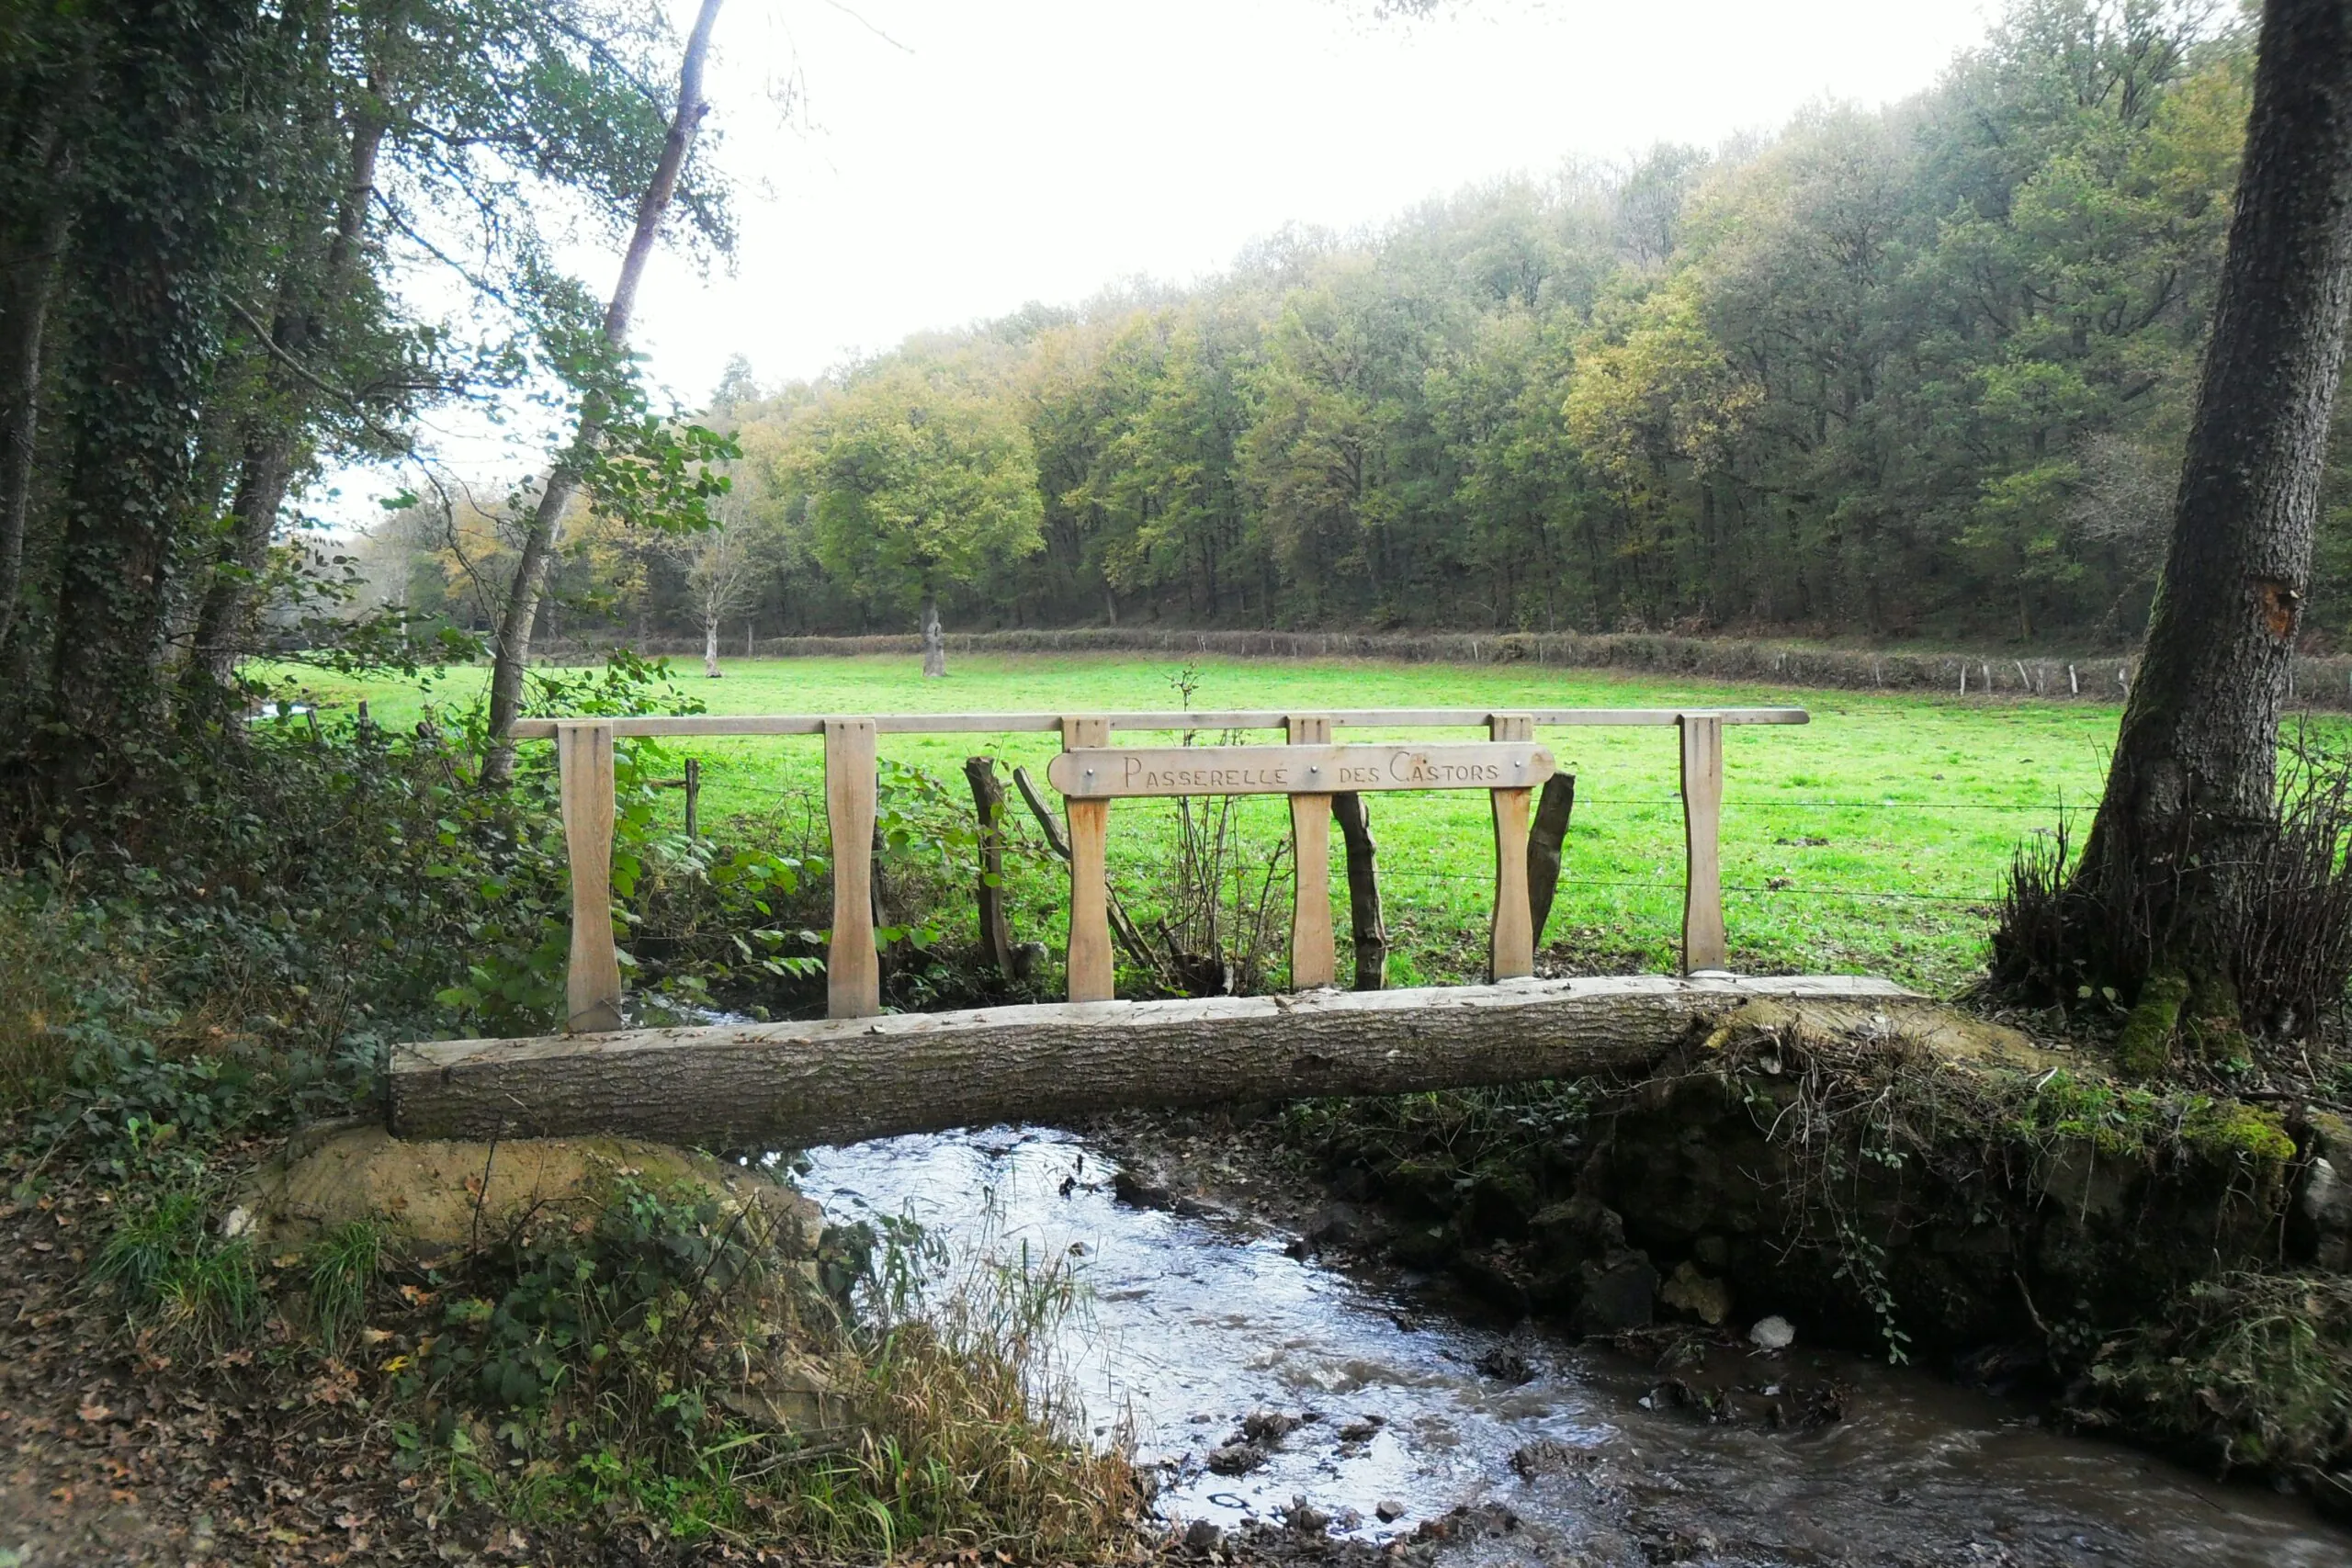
pixel 2320 1225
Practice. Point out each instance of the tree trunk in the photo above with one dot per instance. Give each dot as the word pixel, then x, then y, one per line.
pixel 711 651
pixel 795 1085
pixel 273 442
pixel 934 641
pixel 127 485
pixel 2192 791
pixel 511 647
pixel 24 317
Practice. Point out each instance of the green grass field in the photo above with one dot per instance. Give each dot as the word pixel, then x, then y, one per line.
pixel 1873 839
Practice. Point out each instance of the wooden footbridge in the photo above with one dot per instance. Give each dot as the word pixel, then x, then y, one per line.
pixel 860 1073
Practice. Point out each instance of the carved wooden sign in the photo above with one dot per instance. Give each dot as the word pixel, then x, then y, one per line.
pixel 1114 772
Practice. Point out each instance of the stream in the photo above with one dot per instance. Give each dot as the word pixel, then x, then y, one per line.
pixel 1569 1452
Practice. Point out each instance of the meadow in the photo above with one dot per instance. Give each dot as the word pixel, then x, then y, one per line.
pixel 1873 839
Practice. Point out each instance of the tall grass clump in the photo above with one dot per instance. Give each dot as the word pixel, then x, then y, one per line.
pixel 674 1359
pixel 2284 939
pixel 971 1438
pixel 177 1274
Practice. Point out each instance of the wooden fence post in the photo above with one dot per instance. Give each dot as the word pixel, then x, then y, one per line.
pixel 987 809
pixel 1371 932
pixel 1702 806
pixel 853 969
pixel 1090 912
pixel 1314 959
pixel 1552 808
pixel 584 762
pixel 1511 950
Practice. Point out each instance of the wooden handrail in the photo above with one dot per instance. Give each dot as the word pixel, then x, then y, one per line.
pixel 853 969
pixel 1238 718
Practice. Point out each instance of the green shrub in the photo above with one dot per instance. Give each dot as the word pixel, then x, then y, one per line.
pixel 2249 1371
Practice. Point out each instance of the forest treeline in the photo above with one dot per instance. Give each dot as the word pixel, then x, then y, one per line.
pixel 1920 370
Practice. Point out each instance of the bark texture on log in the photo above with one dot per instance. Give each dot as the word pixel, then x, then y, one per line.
pixel 2192 791
pixel 791 1085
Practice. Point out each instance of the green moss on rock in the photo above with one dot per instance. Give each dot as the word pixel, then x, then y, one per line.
pixel 2232 1130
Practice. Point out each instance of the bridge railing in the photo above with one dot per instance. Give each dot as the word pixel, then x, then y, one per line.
pixel 1508 765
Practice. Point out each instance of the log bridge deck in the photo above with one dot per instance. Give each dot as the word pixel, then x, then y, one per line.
pixel 840 1080
pixel 860 1073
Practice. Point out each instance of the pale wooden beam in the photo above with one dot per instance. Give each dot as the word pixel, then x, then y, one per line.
pixel 1171 719
pixel 1703 809
pixel 1511 950
pixel 853 967
pixel 1127 771
pixel 1313 958
pixel 584 764
pixel 1089 914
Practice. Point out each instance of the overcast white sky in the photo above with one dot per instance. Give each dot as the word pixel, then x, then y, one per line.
pixel 948 161
pixel 960 157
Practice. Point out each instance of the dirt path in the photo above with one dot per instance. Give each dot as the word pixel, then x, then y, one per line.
pixel 114 1454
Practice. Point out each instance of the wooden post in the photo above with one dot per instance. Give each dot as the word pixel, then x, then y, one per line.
pixel 853 969
pixel 1090 915
pixel 1511 950
pixel 593 984
pixel 1552 809
pixel 988 805
pixel 694 793
pixel 1313 959
pixel 1369 928
pixel 1702 806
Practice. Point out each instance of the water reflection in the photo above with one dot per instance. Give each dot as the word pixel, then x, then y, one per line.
pixel 1195 1323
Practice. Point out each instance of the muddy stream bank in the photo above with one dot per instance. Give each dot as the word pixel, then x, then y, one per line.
pixel 1203 1331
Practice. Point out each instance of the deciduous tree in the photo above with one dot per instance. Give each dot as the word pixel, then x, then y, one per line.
pixel 920 485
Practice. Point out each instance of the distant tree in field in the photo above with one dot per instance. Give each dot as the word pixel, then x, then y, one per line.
pixel 724 567
pixel 2174 868
pixel 920 485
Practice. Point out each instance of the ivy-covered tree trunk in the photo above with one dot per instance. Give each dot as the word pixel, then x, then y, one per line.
pixel 511 650
pixel 26 287
pixel 2190 802
pixel 36 218
pixel 153 245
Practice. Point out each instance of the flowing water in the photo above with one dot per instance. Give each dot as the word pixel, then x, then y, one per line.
pixel 1193 1324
